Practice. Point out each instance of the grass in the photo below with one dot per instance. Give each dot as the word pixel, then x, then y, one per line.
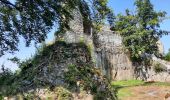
pixel 127 83
pixel 157 84
pixel 130 83
pixel 123 87
pixel 122 91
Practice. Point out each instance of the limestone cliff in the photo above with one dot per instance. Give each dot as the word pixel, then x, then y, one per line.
pixel 111 56
pixel 107 51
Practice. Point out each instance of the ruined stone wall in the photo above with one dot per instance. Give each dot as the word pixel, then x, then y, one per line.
pixel 76 33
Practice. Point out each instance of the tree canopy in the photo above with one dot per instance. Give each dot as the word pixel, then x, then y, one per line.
pixel 140 30
pixel 33 19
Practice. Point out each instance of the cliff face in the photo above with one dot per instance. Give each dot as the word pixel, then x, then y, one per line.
pixel 110 55
pixel 48 67
pixel 108 52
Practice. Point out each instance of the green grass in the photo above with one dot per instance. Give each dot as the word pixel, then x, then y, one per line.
pixel 127 83
pixel 123 87
pixel 157 84
pixel 130 83
pixel 124 92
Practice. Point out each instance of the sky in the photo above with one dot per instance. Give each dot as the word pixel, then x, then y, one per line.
pixel 118 6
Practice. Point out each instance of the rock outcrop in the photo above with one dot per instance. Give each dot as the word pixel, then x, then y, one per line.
pixel 107 52
pixel 111 57
pixel 160 47
pixel 52 63
pixel 160 70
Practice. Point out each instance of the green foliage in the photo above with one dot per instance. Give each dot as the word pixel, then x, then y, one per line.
pixel 127 83
pixel 89 79
pixel 158 68
pixel 6 78
pixel 131 83
pixel 1 97
pixel 167 56
pixel 29 96
pixel 33 20
pixel 13 83
pixel 81 40
pixel 63 94
pixel 15 60
pixel 141 30
pixel 121 87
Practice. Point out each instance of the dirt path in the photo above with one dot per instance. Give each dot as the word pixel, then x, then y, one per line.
pixel 146 93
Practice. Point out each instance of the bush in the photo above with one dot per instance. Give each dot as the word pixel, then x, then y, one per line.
pixel 1 97
pixel 89 79
pixel 167 56
pixel 63 94
pixel 158 68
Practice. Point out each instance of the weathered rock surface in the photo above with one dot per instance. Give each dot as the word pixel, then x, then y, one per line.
pixel 164 75
pixel 111 56
pixel 51 65
pixel 108 52
pixel 160 47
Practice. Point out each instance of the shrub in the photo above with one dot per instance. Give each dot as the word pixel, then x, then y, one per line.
pixel 167 56
pixel 158 68
pixel 89 79
pixel 1 97
pixel 63 94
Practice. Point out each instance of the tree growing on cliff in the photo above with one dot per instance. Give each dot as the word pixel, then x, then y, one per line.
pixel 141 30
pixel 167 56
pixel 33 19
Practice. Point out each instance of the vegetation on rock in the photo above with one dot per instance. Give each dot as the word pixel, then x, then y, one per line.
pixel 63 67
pixel 141 30
pixel 33 72
pixel 167 56
pixel 158 68
pixel 90 79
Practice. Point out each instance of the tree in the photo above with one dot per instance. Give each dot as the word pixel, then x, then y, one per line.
pixel 167 56
pixel 141 30
pixel 33 19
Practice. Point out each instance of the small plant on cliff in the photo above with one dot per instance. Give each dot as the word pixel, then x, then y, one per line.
pixel 167 56
pixel 158 68
pixel 89 79
pixel 63 94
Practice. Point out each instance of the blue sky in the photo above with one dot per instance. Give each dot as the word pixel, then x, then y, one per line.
pixel 118 6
